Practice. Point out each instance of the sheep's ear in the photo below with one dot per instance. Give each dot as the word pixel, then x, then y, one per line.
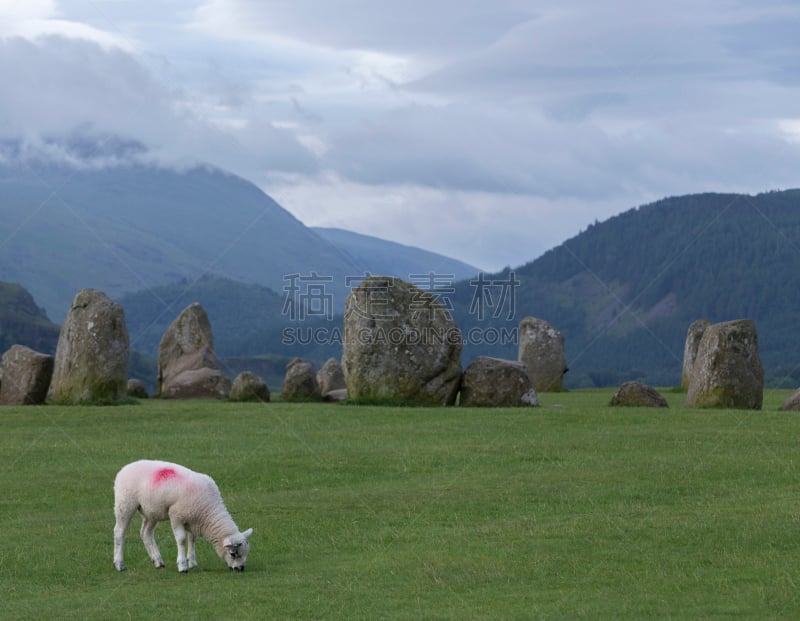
pixel 247 533
pixel 226 543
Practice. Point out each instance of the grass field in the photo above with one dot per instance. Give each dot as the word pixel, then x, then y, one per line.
pixel 571 510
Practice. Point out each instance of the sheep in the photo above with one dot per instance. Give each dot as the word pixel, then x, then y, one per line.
pixel 191 501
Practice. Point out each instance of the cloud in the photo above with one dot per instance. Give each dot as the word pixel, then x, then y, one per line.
pixel 432 28
pixel 64 84
pixel 13 11
pixel 576 100
pixel 37 18
pixel 490 231
pixel 550 113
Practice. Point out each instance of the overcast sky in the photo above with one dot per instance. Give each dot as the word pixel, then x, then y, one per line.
pixel 487 130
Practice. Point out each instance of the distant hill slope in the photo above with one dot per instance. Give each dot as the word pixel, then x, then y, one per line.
pixel 624 291
pixel 130 227
pixel 246 320
pixel 380 256
pixel 22 322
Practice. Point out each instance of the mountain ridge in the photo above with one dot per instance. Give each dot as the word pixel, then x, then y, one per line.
pixel 131 226
pixel 370 254
pixel 625 290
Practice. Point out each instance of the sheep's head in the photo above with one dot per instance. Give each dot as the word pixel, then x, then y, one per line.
pixel 236 549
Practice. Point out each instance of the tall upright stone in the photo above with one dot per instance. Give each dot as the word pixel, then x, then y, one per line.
pixel 400 344
pixel 727 371
pixel 330 376
pixel 541 349
pixel 300 382
pixel 187 364
pixel 693 338
pixel 91 362
pixel 26 376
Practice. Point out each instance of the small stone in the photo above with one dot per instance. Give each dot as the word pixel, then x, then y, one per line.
pixel 638 394
pixel 137 389
pixel 26 376
pixel 248 386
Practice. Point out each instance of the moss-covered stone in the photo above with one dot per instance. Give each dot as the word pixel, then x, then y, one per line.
pixel 400 344
pixel 727 371
pixel 541 350
pixel 91 362
pixel 693 337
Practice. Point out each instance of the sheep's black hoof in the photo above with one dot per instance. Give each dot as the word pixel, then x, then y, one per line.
pixel 183 571
pixel 160 566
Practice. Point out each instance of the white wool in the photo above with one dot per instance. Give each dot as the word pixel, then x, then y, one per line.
pixel 192 503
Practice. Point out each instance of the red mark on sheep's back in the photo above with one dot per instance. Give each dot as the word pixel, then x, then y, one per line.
pixel 164 474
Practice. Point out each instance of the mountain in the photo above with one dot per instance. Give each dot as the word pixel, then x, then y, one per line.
pixel 379 256
pixel 132 226
pixel 23 322
pixel 246 319
pixel 126 227
pixel 624 291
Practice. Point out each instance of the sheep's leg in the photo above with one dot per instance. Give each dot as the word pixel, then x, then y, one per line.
pixel 192 560
pixel 180 538
pixel 148 537
pixel 123 512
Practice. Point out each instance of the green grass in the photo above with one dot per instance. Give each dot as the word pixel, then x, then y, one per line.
pixel 573 510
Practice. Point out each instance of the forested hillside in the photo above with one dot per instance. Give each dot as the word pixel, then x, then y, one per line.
pixel 247 320
pixel 624 291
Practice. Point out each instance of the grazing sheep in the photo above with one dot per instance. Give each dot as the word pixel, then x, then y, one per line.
pixel 191 502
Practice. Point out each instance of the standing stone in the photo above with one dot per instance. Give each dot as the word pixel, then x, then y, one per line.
pixel 137 389
pixel 300 382
pixel 792 402
pixel 693 337
pixel 248 386
pixel 400 344
pixel 330 376
pixel 26 376
pixel 541 349
pixel 638 394
pixel 91 363
pixel 499 383
pixel 727 371
pixel 187 364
